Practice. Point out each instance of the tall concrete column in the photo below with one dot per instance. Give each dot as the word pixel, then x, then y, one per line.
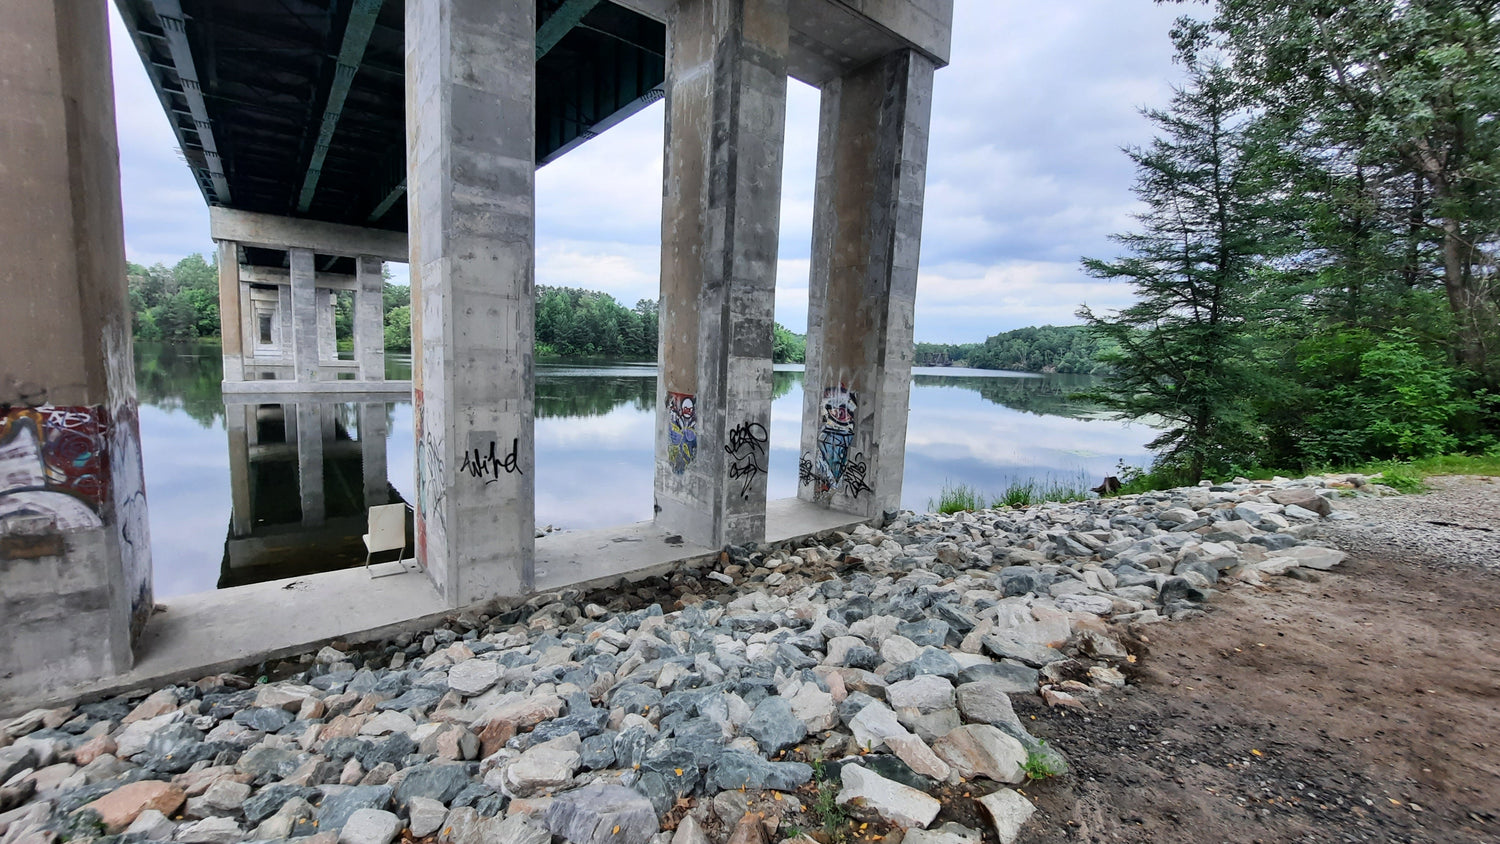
pixel 867 229
pixel 309 416
pixel 285 333
pixel 470 164
pixel 75 564
pixel 372 434
pixel 304 316
pixel 369 322
pixel 328 339
pixel 231 323
pixel 726 116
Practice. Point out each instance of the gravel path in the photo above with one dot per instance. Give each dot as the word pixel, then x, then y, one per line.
pixel 1453 526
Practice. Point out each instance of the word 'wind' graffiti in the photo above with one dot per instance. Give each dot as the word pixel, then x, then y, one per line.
pixel 481 465
pixel 831 468
pixel 682 433
pixel 53 463
pixel 747 452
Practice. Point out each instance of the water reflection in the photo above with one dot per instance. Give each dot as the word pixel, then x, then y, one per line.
pixel 300 474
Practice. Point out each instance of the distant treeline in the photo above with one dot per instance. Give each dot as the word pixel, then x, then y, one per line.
pixel 181 302
pixel 1048 348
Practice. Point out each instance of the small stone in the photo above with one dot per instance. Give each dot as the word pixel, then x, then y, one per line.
pixel 210 831
pixel 151 825
pixel 866 793
pixel 601 813
pixel 93 749
pixel 159 703
pixel 474 676
pixel 369 826
pixel 1008 812
pixel 426 815
pixel 548 765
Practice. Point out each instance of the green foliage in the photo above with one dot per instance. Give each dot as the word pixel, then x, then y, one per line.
pixel 1031 491
pixel 787 347
pixel 1069 349
pixel 954 498
pixel 1039 765
pixel 176 304
pixel 398 328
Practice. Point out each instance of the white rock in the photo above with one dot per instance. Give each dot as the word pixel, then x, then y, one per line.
pixel 982 750
pixel 924 693
pixel 388 722
pixel 866 793
pixel 899 650
pixel 370 826
pixel 474 676
pixel 134 738
pixel 814 708
pixel 151 825
pixel 1306 556
pixel 426 815
pixel 1008 811
pixel 548 765
pixel 210 831
pixel 948 833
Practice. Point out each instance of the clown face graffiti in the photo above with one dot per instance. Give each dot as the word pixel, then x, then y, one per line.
pixel 835 437
pixel 682 435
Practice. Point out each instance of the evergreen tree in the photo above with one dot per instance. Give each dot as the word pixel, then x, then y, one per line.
pixel 1184 355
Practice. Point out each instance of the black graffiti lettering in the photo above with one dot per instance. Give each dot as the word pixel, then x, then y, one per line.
pixel 804 470
pixel 747 447
pixel 853 479
pixel 481 465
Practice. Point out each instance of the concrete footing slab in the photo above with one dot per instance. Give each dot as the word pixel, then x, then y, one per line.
pixel 238 628
pixel 347 390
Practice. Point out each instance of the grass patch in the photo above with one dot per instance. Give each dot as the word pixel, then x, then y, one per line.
pixel 1406 476
pixel 954 498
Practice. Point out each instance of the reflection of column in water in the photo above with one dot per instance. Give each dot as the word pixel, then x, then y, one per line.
pixel 372 434
pixel 239 420
pixel 310 460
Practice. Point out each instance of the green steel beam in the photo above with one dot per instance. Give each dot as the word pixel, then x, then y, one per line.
pixel 385 204
pixel 567 16
pixel 356 38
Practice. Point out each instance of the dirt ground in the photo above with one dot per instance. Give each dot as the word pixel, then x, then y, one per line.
pixel 1364 706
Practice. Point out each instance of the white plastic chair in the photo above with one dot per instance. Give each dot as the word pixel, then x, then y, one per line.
pixel 387 533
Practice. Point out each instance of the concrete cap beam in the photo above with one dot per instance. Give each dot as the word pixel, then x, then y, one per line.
pixel 272 232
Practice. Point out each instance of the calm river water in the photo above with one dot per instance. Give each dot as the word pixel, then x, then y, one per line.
pixel 594 446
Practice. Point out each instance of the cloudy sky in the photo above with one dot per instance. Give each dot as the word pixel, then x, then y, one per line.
pixel 1024 173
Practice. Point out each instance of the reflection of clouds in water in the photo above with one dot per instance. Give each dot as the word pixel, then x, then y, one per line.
pixel 187 497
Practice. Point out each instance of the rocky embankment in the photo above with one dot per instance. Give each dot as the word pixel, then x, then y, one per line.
pixel 854 688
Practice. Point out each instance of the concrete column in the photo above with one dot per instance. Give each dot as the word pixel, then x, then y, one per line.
pixel 304 316
pixel 372 434
pixel 726 116
pixel 310 462
pixel 328 339
pixel 75 564
pixel 284 328
pixel 369 320
pixel 470 147
pixel 867 230
pixel 231 323
pixel 239 420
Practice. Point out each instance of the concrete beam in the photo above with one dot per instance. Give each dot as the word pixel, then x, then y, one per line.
pixel 356 37
pixel 282 278
pixel 174 25
pixel 272 232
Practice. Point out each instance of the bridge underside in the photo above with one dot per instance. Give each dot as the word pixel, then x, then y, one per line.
pixel 332 135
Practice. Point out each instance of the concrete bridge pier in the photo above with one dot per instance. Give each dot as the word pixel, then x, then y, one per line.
pixel 75 564
pixel 279 324
pixel 867 230
pixel 726 117
pixel 471 198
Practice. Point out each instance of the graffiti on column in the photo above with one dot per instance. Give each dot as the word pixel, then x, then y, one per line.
pixel 488 466
pixel 747 453
pixel 832 467
pixel 53 463
pixel 682 433
pixel 430 524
